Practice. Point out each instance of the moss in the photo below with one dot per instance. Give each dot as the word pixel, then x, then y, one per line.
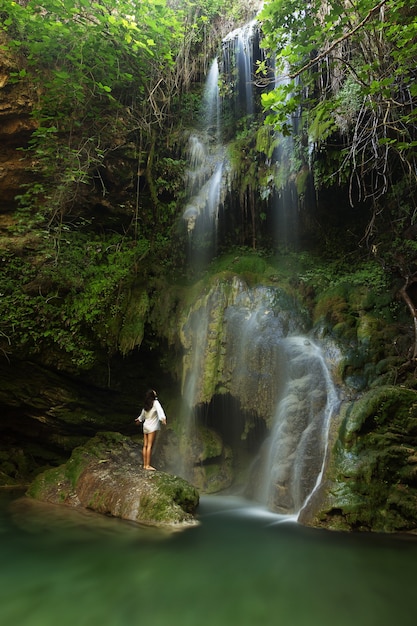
pixel 173 498
pixel 301 180
pixel 97 502
pixel 374 462
pixel 367 328
pixel 46 482
pixel 217 477
pixel 333 307
pixel 133 327
pixel 212 444
pixel 118 488
pixel 392 408
pixel 266 141
pixel 181 492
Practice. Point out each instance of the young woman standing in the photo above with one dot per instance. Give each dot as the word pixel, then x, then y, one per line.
pixel 152 415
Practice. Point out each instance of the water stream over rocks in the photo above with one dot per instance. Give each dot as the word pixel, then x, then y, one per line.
pixel 209 171
pixel 249 343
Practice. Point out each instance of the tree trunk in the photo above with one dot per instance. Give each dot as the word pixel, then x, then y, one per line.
pixel 412 307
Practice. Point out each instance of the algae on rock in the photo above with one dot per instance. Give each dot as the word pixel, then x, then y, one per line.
pixel 372 477
pixel 105 476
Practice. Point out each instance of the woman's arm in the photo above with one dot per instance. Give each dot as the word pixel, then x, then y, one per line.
pixel 161 413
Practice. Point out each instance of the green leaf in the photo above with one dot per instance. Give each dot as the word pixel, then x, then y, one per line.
pixel 104 87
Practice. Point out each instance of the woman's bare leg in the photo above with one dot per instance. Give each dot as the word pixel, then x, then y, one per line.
pixel 148 440
pixel 145 437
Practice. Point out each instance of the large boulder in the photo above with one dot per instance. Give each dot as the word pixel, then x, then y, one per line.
pixel 105 475
pixel 371 479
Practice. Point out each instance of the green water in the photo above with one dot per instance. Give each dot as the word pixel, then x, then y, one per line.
pixel 239 567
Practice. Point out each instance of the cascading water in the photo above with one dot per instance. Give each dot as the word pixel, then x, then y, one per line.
pixel 207 178
pixel 240 51
pixel 274 368
pixel 195 336
pixel 249 340
pixel 249 343
pixel 205 182
pixel 286 197
pixel 295 452
pixel 211 101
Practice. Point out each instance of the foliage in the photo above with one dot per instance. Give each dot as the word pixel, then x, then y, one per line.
pixel 328 275
pixel 352 71
pixel 107 76
pixel 72 305
pixel 104 73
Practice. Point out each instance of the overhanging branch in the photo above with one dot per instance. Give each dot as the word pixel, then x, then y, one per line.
pixel 338 41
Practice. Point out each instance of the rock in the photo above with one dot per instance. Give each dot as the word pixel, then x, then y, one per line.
pixel 371 478
pixel 105 476
pixel 16 126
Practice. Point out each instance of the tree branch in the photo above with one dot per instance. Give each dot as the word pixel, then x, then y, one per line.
pixel 407 299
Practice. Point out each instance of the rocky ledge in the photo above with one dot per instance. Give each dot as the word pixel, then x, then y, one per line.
pixel 106 476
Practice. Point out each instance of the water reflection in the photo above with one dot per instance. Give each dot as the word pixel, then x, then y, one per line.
pixel 238 567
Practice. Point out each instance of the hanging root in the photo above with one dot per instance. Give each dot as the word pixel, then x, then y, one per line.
pixel 406 296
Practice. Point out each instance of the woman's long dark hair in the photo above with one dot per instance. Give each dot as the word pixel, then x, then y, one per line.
pixel 150 397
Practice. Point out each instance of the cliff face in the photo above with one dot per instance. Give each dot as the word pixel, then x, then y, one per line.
pixel 16 125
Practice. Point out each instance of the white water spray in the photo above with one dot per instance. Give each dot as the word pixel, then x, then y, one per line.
pixel 205 181
pixel 297 447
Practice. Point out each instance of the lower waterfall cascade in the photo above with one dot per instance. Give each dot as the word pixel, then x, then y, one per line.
pixel 274 371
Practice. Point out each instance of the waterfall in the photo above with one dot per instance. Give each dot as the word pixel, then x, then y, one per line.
pixel 211 101
pixel 286 200
pixel 249 344
pixel 206 183
pixel 195 334
pixel 239 67
pixel 295 453
pixel 207 178
pixel 275 367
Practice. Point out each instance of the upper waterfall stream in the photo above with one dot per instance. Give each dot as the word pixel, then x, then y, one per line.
pixel 208 174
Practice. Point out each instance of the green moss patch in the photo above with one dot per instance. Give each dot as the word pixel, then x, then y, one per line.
pixel 375 463
pixel 105 475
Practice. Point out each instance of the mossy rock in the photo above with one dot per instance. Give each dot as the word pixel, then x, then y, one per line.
pixel 389 408
pixel 207 461
pixel 373 471
pixel 105 476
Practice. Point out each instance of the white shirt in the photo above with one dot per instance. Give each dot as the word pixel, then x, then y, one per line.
pixel 152 419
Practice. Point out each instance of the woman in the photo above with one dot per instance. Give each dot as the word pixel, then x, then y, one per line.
pixel 151 416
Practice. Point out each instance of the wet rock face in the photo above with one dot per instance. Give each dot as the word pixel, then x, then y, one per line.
pixel 231 341
pixel 16 126
pixel 372 475
pixel 106 476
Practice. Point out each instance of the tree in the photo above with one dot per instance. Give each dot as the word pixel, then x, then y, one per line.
pixel 107 80
pixel 97 68
pixel 351 70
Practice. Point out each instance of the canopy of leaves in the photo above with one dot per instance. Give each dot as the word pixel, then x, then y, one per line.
pixel 106 76
pixel 350 70
pixel 102 71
